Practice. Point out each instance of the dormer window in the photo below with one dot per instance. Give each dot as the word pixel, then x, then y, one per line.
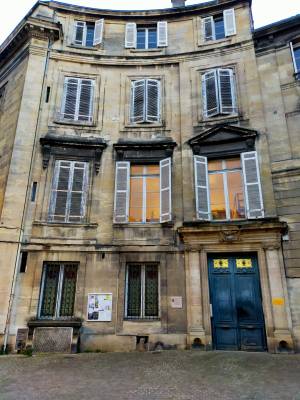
pixel 219 27
pixel 88 34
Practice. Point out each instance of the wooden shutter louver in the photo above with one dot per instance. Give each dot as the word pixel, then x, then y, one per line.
pixel 201 188
pixel 253 193
pixel 226 91
pixel 79 33
pixel 153 101
pixel 98 34
pixel 85 104
pixel 122 187
pixel 229 22
pixel 165 190
pixel 138 101
pixel 130 35
pixel 210 94
pixel 78 99
pixel 208 28
pixel 162 34
pixel 70 98
pixel 69 191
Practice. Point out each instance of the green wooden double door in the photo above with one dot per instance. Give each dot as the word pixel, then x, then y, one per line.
pixel 236 303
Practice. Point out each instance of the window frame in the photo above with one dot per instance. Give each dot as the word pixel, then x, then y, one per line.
pixel 293 47
pixel 76 119
pixel 59 294
pixel 146 29
pixel 224 16
pixel 143 280
pixel 220 113
pixel 53 190
pixel 144 177
pixel 146 120
pixel 224 172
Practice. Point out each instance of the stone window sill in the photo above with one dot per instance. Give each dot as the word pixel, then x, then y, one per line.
pixel 169 224
pixel 91 225
pixel 74 123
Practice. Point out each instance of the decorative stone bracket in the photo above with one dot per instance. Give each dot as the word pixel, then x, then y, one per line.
pixel 77 147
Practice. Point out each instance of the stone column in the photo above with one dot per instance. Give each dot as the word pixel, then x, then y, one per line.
pixel 194 296
pixel 280 308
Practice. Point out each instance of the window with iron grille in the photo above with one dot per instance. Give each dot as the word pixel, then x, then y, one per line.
pixel 69 191
pixel 58 289
pixel 78 99
pixel 142 291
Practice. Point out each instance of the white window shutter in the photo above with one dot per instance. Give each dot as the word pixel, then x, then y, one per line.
pixel 122 188
pixel 98 35
pixel 69 104
pixel 130 35
pixel 162 34
pixel 253 193
pixel 79 33
pixel 226 91
pixel 210 94
pixel 208 27
pixel 152 100
pixel 294 58
pixel 165 190
pixel 138 101
pixel 85 101
pixel 202 188
pixel 229 22
pixel 78 191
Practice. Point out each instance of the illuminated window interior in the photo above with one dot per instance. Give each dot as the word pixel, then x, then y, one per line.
pixel 144 203
pixel 226 189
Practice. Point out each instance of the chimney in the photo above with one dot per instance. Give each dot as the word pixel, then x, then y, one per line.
pixel 178 3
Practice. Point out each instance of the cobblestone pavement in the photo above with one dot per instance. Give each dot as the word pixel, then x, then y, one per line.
pixel 170 375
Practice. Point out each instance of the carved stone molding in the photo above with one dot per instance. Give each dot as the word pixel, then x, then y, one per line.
pixel 77 147
pixel 230 236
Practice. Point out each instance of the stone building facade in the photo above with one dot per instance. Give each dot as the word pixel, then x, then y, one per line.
pixel 149 169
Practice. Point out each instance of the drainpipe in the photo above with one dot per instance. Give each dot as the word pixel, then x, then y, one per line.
pixel 21 235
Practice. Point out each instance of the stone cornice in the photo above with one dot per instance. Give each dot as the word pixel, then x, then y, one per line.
pixel 30 28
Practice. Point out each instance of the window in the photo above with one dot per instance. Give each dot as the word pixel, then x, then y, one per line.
pixel 69 191
pixel 296 58
pixel 145 101
pixel 58 290
pixel 78 99
pixel 142 291
pixel 146 37
pixel 88 34
pixel 218 92
pixel 228 189
pixel 143 192
pixel 219 27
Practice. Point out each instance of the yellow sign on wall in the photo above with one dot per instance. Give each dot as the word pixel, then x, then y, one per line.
pixel 278 301
pixel 244 263
pixel 221 263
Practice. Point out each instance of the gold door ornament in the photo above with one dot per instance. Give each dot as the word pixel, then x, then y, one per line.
pixel 221 263
pixel 244 263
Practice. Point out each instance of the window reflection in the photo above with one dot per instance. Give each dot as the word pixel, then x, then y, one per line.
pixel 226 189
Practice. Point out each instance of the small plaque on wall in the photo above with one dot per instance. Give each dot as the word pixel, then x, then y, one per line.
pixel 176 301
pixel 99 307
